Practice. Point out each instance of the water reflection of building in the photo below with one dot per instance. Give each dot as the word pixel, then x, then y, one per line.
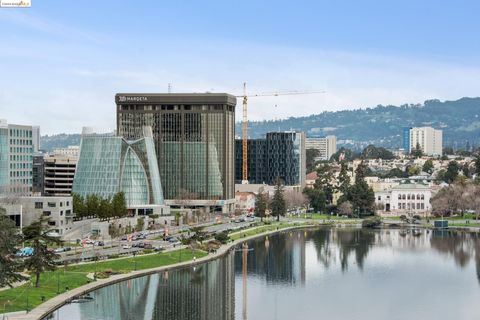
pixel 282 261
pixel 204 292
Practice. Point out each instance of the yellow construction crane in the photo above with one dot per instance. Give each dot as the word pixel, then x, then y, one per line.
pixel 245 97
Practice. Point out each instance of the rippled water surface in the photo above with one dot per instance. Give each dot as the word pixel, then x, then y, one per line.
pixel 314 274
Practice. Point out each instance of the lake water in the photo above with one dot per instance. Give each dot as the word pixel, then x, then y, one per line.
pixel 310 274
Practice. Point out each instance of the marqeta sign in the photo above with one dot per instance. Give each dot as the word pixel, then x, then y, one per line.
pixel 132 99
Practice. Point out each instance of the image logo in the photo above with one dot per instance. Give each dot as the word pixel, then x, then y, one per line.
pixel 15 3
pixel 122 98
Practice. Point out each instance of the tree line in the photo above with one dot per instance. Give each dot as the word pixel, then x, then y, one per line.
pixel 96 206
pixel 460 197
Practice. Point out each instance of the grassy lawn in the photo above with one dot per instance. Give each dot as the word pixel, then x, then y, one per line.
pixel 322 216
pixel 76 275
pixel 261 229
pixel 471 224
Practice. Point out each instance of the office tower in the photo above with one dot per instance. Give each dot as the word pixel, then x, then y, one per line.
pixel 16 152
pixel 326 146
pixel 194 140
pixel 279 155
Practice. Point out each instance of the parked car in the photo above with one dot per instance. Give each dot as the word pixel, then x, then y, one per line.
pixel 127 246
pixel 25 252
pixel 99 243
pixel 147 245
pixel 158 249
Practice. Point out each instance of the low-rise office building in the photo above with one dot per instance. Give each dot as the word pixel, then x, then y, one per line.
pixel 25 210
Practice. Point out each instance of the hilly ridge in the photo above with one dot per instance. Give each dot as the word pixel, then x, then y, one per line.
pixel 381 125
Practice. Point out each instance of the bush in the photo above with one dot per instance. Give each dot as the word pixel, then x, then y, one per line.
pixel 371 222
pixel 222 237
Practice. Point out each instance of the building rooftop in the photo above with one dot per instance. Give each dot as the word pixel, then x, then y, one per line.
pixel 180 98
pixel 408 186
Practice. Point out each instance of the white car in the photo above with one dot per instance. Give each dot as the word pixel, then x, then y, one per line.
pixel 127 246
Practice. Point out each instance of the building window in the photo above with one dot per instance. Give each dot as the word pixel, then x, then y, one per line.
pixel 47 213
pixel 52 204
pixel 38 205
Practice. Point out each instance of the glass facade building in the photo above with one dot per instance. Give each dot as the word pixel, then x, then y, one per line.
pixel 194 140
pixel 16 159
pixel 109 164
pixel 280 154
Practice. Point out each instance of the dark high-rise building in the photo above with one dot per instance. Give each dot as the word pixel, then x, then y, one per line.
pixel 194 140
pixel 280 154
pixel 38 175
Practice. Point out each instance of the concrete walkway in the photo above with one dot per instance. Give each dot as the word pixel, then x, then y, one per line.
pixel 51 305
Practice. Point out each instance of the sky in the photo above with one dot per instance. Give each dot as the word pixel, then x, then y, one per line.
pixel 61 62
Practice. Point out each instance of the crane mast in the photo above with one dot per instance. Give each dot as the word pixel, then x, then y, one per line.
pixel 244 137
pixel 245 122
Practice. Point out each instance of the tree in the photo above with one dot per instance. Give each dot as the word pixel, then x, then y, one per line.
pixel 345 208
pixel 452 171
pixel 78 203
pixel 346 154
pixel 417 151
pixel 440 176
pixel 105 209
pixel 278 205
pixel 310 155
pixel 412 170
pixel 317 198
pixel 343 179
pixel 360 195
pixel 261 204
pixel 324 181
pixel 372 152
pixel 42 259
pixel 466 170
pixel 10 267
pixel 113 230
pixel 428 166
pixel 294 199
pixel 140 224
pixel 119 205
pixel 92 205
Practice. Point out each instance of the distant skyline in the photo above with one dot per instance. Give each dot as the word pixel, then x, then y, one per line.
pixel 61 63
